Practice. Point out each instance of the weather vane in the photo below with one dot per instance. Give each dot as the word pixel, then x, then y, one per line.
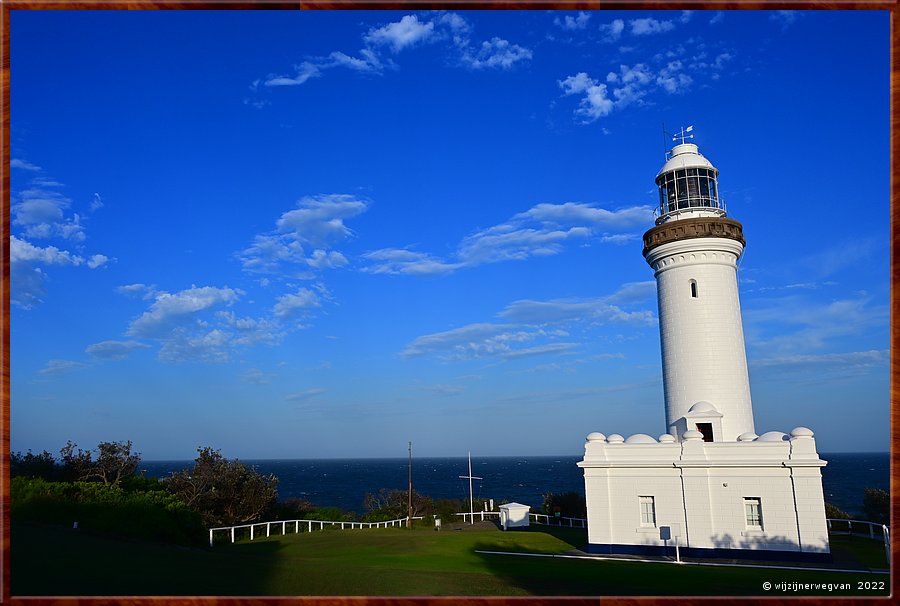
pixel 683 134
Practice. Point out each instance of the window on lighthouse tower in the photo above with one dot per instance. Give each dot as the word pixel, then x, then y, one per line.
pixel 694 289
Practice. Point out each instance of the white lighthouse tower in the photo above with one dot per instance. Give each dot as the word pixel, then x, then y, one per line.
pixel 709 484
pixel 694 250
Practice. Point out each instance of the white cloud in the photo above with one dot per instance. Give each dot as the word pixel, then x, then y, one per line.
pixel 672 79
pixel 96 203
pixel 649 26
pixel 305 71
pixel 290 305
pixel 368 63
pixel 401 34
pixel 612 31
pixel 404 261
pixel 595 103
pixel 496 53
pixel 257 377
pixel 717 18
pixel 305 395
pixel 539 231
pixel 539 350
pixel 303 236
pixel 785 18
pixel 114 350
pixel 23 165
pixel 686 16
pixel 169 310
pixel 569 22
pixel 21 251
pixel 97 261
pixel 181 346
pixel 60 367
pixel 476 340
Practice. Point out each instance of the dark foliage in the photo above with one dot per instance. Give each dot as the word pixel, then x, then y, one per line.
pixel 115 462
pixel 224 492
pixel 567 504
pixel 394 504
pixel 107 508
pixel 834 513
pixel 877 505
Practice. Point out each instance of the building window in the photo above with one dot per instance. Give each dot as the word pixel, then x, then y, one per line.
pixel 648 511
pixel 753 512
pixel 706 430
pixel 694 289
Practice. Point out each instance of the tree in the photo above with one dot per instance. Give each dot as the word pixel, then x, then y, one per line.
pixel 224 492
pixel 114 463
pixel 394 504
pixel 31 465
pixel 568 504
pixel 877 505
pixel 76 465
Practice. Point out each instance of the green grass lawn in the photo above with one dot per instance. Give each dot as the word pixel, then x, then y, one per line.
pixel 59 561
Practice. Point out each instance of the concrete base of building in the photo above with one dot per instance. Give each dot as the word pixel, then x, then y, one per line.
pixel 768 555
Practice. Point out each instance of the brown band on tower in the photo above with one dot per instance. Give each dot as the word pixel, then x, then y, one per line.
pixel 686 229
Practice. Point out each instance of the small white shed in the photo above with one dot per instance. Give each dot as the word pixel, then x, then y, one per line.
pixel 514 515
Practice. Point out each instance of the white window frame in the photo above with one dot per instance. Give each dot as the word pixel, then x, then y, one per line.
pixel 647 521
pixel 749 516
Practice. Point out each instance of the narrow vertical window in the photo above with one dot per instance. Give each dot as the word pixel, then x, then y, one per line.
pixel 648 511
pixel 753 512
pixel 694 289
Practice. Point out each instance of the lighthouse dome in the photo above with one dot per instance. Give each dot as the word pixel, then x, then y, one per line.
pixel 686 155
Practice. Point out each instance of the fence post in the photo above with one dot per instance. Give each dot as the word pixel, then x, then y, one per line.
pixel 210 537
pixel 284 528
pixel 321 525
pixel 232 534
pixel 268 528
pixel 310 526
pixel 251 532
pixel 296 526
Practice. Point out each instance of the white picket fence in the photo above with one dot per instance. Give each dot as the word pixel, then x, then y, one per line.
pixel 308 524
pixel 535 518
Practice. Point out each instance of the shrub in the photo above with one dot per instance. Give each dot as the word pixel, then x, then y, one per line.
pixel 568 504
pixel 107 508
pixel 834 513
pixel 877 505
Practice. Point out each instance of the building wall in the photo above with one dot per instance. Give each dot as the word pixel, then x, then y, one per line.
pixel 701 487
pixel 702 337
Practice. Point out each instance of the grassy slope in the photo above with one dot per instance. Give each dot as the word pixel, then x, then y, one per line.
pixel 57 561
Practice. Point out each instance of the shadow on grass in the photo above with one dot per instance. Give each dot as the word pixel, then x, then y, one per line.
pixel 57 561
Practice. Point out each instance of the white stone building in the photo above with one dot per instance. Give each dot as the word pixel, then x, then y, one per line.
pixel 720 488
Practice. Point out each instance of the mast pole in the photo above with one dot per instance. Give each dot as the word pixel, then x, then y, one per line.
pixel 409 502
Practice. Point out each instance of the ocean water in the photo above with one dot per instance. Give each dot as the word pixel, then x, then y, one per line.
pixel 343 483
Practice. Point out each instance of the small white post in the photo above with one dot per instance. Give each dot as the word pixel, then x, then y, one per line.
pixel 321 525
pixel 210 537
pixel 310 526
pixel 268 528
pixel 251 532
pixel 283 528
pixel 677 552
pixel 232 534
pixel 296 526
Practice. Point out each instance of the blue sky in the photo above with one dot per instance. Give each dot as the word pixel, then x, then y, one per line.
pixel 324 234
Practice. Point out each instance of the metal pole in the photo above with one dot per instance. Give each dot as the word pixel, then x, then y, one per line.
pixel 471 506
pixel 409 506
